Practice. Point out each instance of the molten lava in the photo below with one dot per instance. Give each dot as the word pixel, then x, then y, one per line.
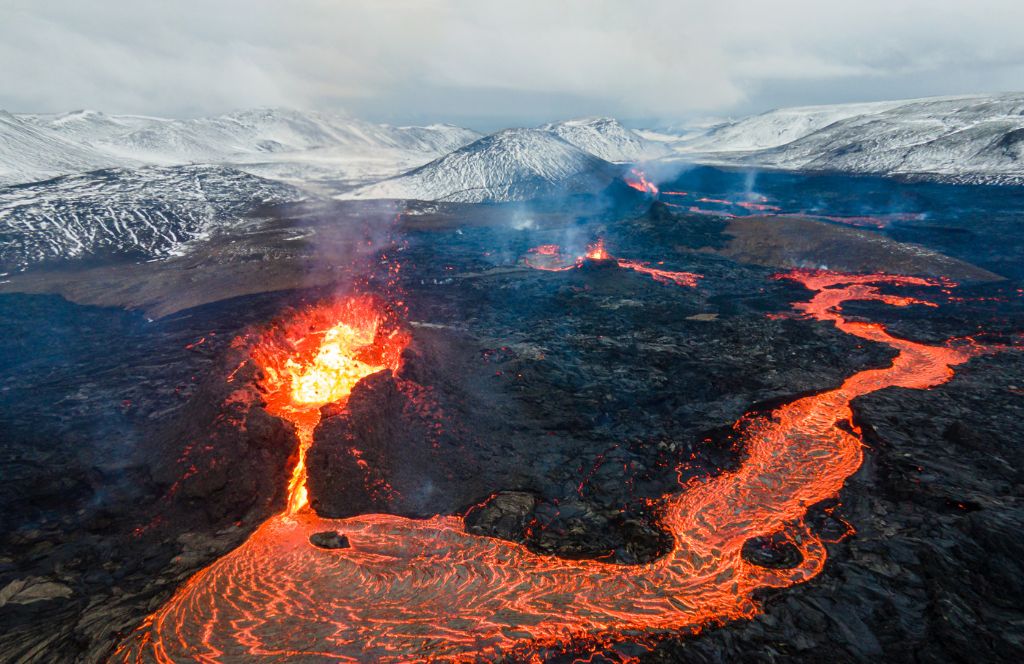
pixel 316 359
pixel 759 205
pixel 597 252
pixel 637 179
pixel 548 257
pixel 414 590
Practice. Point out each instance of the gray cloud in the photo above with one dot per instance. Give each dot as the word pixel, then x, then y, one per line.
pixel 498 63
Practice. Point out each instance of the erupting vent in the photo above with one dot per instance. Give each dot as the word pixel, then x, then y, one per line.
pixel 316 358
pixel 549 257
pixel 637 179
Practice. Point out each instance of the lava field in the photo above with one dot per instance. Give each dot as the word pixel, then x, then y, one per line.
pixel 684 430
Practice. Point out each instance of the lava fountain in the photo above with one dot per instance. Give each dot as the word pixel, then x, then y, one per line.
pixel 637 179
pixel 597 252
pixel 316 358
pixel 415 590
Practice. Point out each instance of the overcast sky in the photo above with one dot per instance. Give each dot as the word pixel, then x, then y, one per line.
pixel 489 64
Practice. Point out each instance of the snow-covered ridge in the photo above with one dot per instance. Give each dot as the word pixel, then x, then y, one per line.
pixel 777 127
pixel 145 213
pixel 965 139
pixel 513 164
pixel 608 139
pixel 33 147
pixel 262 131
pixel 30 152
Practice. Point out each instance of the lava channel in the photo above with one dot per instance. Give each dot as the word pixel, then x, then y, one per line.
pixel 414 590
pixel 549 257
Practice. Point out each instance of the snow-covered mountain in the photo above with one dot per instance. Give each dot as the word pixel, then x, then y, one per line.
pixel 510 165
pixel 86 184
pixel 608 139
pixel 89 127
pixel 146 213
pixel 261 131
pixel 775 128
pixel 968 139
pixel 268 141
pixel 29 152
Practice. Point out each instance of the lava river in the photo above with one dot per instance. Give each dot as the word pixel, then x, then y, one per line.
pixel 413 590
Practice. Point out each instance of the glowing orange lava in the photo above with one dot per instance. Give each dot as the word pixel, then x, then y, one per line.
pixel 597 252
pixel 316 359
pixel 637 179
pixel 546 250
pixel 414 590
pixel 548 257
pixel 760 205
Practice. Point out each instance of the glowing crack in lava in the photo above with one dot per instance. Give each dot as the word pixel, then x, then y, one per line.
pixel 414 590
pixel 637 179
pixel 548 257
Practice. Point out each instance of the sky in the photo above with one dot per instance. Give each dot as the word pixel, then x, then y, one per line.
pixel 487 64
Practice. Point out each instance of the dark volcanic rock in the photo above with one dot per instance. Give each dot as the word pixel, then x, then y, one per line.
pixel 599 265
pixel 330 539
pixel 782 241
pixel 933 572
pixel 354 451
pixel 506 515
pixel 775 551
pixel 582 388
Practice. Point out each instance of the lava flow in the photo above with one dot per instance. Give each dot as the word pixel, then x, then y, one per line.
pixel 427 590
pixel 753 206
pixel 548 257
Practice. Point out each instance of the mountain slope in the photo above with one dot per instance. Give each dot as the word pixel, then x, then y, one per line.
pixel 274 142
pixel 608 139
pixel 141 213
pixel 967 139
pixel 777 127
pixel 279 130
pixel 510 165
pixel 32 152
pixel 90 127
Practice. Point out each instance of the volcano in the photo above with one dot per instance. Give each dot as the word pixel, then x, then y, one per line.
pixel 452 603
pixel 694 419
